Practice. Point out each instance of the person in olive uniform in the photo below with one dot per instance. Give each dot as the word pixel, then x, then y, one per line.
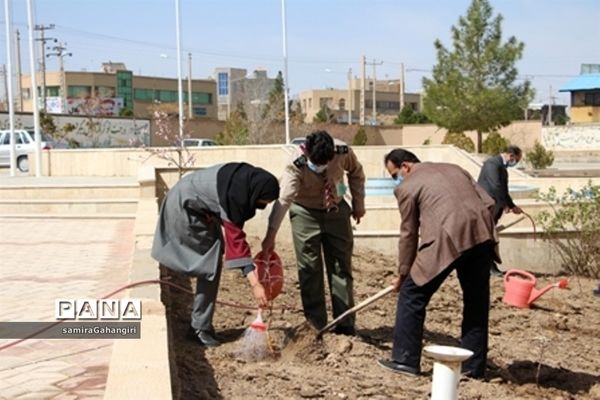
pixel 313 189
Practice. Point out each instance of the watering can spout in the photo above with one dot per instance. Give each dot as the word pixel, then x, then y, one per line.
pixel 536 294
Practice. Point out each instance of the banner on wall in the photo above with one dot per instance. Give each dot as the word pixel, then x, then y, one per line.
pixel 99 106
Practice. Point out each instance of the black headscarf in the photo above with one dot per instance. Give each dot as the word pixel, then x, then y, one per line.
pixel 240 185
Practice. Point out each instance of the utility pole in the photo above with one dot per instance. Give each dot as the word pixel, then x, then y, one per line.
pixel 189 86
pixel 363 63
pixel 42 39
pixel 401 86
pixel 350 96
pixel 374 88
pixel 59 51
pixel 550 103
pixel 18 70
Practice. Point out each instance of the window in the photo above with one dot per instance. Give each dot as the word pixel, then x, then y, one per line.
pixel 592 99
pixel 199 111
pixel 26 93
pixel 167 96
pixel 79 91
pixel 52 91
pixel 325 101
pixel 201 98
pixel 342 104
pixel 223 82
pixel 143 94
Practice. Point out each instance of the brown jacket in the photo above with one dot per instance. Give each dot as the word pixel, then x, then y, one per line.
pixel 300 185
pixel 453 213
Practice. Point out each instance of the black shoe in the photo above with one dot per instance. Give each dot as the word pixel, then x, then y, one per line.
pixel 207 338
pixel 494 271
pixel 344 330
pixel 399 368
pixel 471 375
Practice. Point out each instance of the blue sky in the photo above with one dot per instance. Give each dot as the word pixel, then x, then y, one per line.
pixel 325 37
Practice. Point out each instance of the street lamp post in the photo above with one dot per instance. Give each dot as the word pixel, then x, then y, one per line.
pixel 34 94
pixel 179 83
pixel 9 89
pixel 285 74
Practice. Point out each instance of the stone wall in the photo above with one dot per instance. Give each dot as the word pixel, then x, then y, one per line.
pixel 572 137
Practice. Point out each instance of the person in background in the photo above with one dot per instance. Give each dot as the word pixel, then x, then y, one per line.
pixel 201 218
pixel 452 215
pixel 313 189
pixel 493 178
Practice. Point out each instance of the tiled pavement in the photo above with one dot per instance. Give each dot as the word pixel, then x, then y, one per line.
pixel 41 260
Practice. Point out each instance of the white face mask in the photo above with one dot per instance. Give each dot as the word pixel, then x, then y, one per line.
pixel 319 169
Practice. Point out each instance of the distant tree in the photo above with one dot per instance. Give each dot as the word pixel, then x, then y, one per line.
pixel 47 123
pixel 235 131
pixel 276 102
pixel 410 116
pixel 459 140
pixel 473 86
pixel 324 115
pixel 167 128
pixel 296 114
pixel 495 144
pixel 360 139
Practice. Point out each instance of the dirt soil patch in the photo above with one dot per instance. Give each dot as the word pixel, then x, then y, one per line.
pixel 548 352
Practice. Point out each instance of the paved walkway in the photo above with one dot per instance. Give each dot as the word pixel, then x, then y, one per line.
pixel 43 260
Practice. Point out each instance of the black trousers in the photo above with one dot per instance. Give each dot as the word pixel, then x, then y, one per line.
pixel 473 270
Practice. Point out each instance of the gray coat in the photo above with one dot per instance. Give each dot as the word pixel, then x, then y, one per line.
pixel 188 235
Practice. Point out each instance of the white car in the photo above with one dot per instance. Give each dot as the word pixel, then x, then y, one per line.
pixel 194 142
pixel 24 143
pixel 298 141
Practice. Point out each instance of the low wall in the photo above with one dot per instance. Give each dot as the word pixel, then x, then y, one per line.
pixel 572 137
pixel 521 133
pixel 127 162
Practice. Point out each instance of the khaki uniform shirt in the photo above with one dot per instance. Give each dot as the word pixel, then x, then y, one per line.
pixel 299 184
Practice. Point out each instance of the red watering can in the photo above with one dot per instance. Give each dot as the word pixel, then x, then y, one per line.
pixel 520 291
pixel 270 273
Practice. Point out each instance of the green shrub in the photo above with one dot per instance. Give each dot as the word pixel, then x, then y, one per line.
pixel 459 140
pixel 427 142
pixel 572 228
pixel 494 144
pixel 410 116
pixel 539 157
pixel 360 139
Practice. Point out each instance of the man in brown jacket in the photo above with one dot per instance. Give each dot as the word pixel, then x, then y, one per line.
pixel 454 217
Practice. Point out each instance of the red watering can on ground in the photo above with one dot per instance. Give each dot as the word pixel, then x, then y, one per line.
pixel 520 291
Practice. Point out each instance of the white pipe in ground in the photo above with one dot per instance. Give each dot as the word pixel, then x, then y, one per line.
pixel 446 370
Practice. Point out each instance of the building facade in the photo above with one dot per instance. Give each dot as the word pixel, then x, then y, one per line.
pixel 585 95
pixel 235 87
pixel 345 104
pixel 111 92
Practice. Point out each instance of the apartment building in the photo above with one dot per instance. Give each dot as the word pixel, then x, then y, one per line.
pixel 115 89
pixel 234 86
pixel 345 104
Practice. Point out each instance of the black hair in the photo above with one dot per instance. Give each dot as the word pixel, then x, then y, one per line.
pixel 319 147
pixel 398 156
pixel 512 149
